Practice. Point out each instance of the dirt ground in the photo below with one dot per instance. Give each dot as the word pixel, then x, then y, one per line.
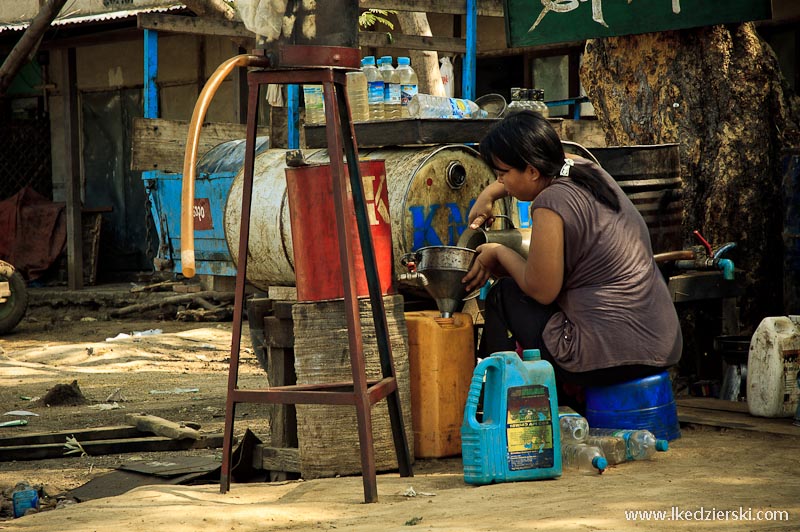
pixel 752 476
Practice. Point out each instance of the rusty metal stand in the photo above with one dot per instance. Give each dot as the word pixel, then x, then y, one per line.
pixel 359 393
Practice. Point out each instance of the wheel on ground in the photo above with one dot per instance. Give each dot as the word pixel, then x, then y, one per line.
pixel 13 308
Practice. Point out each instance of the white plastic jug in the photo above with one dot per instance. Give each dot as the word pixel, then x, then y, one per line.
pixel 772 367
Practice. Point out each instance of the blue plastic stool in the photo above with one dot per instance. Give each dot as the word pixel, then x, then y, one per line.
pixel 639 404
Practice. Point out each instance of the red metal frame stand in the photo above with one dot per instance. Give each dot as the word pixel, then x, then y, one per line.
pixel 359 393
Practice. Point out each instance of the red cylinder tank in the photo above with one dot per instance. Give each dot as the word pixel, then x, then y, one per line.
pixel 315 241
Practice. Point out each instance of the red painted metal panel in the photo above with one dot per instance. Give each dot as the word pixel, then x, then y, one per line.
pixel 316 245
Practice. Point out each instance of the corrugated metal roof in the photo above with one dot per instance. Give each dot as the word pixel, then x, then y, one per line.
pixel 99 17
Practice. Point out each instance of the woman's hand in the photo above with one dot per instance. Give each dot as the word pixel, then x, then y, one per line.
pixel 481 212
pixel 485 265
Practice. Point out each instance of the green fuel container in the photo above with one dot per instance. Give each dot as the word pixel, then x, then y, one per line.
pixel 518 436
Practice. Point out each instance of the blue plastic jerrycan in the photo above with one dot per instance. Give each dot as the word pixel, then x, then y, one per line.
pixel 518 437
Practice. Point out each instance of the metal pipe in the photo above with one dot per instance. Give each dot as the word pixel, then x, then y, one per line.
pixel 190 156
pixel 684 254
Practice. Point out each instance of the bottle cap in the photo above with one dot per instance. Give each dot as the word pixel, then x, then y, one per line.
pixel 600 463
pixel 368 60
pixel 403 61
pixel 529 355
pixel 387 59
pixel 662 445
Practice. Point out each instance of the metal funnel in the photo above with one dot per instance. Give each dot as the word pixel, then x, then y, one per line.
pixel 440 270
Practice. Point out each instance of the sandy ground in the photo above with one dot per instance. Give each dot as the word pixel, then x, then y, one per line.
pixel 706 473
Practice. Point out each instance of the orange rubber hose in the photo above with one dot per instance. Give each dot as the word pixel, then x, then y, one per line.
pixel 190 156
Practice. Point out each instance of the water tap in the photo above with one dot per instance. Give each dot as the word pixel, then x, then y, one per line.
pixel 705 258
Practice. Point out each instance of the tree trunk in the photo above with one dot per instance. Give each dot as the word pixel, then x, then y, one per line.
pixel 719 93
pixel 28 43
pixel 426 64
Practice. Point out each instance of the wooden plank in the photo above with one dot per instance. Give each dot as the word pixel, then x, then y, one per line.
pixel 286 460
pixel 409 131
pixel 282 309
pixel 701 285
pixel 278 333
pixel 411 42
pixel 161 427
pixel 109 446
pixel 282 293
pixel 283 418
pixel 737 420
pixel 486 8
pixel 711 403
pixel 193 25
pixel 159 144
pixel 94 448
pixel 99 433
pixel 72 162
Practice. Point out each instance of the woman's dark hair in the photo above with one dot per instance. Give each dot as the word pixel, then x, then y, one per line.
pixel 527 138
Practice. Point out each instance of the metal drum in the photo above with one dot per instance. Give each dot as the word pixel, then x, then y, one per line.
pixel 651 177
pixel 431 190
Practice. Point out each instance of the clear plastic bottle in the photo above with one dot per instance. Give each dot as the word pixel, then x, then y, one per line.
pixel 537 98
pixel 408 84
pixel 446 70
pixel 374 88
pixel 357 96
pixel 574 427
pixel 315 104
pixel 613 447
pixel 391 88
pixel 428 106
pixel 640 444
pixel 516 104
pixel 582 457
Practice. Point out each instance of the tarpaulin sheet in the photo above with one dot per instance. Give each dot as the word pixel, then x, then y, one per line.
pixel 33 232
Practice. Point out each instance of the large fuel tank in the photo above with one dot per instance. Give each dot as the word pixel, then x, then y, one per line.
pixel 431 190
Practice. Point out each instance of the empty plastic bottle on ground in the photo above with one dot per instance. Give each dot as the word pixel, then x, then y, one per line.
pixel 374 88
pixel 357 96
pixel 428 106
pixel 613 447
pixel 315 105
pixel 24 498
pixel 408 84
pixel 574 427
pixel 582 457
pixel 391 88
pixel 639 444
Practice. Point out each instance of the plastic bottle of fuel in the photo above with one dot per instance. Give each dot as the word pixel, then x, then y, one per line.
pixel 408 84
pixel 583 457
pixel 613 447
pixel 391 88
pixel 639 444
pixel 357 96
pixel 24 498
pixel 517 437
pixel 315 104
pixel 574 427
pixel 374 88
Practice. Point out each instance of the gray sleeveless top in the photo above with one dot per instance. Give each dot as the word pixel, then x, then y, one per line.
pixel 615 306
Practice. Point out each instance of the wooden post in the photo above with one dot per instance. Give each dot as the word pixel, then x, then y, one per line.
pixel 72 183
